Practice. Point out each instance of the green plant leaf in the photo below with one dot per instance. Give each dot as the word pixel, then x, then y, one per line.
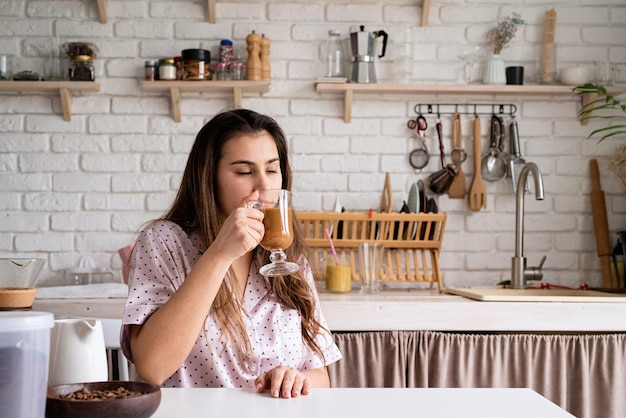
pixel 604 103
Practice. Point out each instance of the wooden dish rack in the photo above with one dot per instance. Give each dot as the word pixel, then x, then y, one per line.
pixel 412 241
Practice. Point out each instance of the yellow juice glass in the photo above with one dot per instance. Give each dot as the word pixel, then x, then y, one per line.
pixel 338 275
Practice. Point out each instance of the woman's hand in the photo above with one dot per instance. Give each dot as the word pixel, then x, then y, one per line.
pixel 284 381
pixel 242 230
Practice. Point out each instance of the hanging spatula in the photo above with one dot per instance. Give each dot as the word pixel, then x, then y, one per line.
pixel 477 194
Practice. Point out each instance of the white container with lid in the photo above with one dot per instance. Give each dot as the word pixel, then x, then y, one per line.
pixel 24 357
pixel 167 69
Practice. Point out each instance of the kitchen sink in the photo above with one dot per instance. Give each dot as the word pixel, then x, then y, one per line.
pixel 490 294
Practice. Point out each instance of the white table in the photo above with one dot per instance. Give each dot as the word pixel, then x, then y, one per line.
pixel 361 403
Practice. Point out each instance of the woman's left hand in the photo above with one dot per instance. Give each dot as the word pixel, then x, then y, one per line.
pixel 284 381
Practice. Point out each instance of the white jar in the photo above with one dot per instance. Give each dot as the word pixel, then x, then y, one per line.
pixel 167 69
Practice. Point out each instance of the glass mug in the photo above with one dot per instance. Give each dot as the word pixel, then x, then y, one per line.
pixel 276 205
pixel 373 272
pixel 318 269
pixel 606 74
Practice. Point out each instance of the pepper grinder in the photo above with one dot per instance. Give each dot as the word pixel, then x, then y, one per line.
pixel 265 59
pixel 253 70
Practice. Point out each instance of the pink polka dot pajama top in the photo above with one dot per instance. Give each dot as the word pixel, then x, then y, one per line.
pixel 163 256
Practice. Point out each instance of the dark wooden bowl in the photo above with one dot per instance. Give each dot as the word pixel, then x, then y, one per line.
pixel 142 406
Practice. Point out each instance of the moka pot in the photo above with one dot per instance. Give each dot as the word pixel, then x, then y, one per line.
pixel 363 46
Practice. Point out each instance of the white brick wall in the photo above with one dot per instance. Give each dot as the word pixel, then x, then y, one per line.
pixel 86 186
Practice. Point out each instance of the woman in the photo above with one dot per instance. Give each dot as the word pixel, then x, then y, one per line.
pixel 198 312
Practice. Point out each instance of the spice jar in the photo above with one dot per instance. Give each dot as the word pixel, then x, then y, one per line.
pixel 220 72
pixel 196 64
pixel 226 52
pixel 178 61
pixel 237 71
pixel 82 69
pixel 150 70
pixel 167 69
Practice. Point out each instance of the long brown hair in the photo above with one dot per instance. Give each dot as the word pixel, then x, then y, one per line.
pixel 196 209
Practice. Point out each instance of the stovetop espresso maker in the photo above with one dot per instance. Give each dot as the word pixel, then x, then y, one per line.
pixel 363 46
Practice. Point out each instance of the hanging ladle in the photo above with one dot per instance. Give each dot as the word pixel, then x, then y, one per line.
pixel 418 158
pixel 494 162
pixel 439 182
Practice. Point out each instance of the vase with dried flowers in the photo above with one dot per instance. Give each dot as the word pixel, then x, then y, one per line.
pixel 499 37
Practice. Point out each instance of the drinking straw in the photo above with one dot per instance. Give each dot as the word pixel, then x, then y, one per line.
pixel 332 246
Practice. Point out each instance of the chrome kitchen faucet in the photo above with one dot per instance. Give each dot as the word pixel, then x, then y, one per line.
pixel 519 273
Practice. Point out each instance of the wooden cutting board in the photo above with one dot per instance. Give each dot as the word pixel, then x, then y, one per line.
pixel 600 223
pixel 536 295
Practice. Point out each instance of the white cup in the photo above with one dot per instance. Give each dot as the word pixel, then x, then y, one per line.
pixel 374 273
pixel 574 76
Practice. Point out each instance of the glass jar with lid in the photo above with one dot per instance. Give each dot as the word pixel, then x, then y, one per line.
pixel 196 64
pixel 82 69
pixel 150 70
pixel 237 71
pixel 167 69
pixel 220 72
pixel 226 51
pixel 334 54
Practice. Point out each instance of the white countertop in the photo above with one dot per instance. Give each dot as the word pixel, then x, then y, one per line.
pixel 430 310
pixel 361 403
pixel 400 310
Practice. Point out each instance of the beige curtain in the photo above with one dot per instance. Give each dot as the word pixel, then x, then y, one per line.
pixel 583 373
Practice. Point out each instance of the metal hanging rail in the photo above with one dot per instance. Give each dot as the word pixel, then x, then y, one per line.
pixel 466 109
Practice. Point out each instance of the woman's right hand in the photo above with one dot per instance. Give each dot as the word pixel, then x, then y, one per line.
pixel 242 230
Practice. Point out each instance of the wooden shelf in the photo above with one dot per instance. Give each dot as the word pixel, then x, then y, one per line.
pixel 349 89
pixel 175 88
pixel 64 88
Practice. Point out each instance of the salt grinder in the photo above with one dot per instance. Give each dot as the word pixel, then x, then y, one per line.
pixel 266 73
